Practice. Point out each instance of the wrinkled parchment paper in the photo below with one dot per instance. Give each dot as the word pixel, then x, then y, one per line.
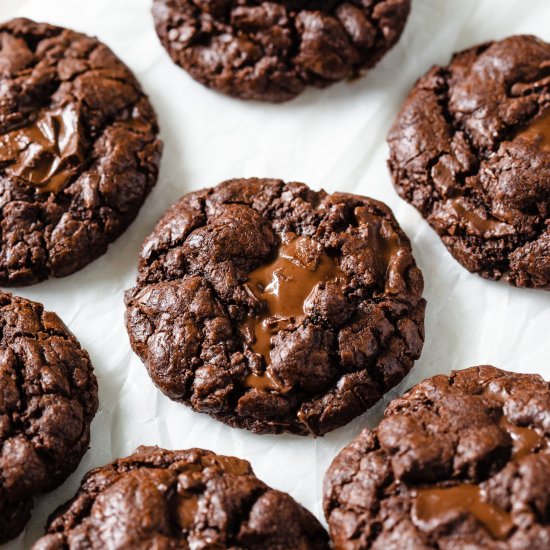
pixel 333 139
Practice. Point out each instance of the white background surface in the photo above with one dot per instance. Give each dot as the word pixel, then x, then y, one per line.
pixel 333 139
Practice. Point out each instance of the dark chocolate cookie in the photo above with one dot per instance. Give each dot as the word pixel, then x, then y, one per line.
pixel 272 50
pixel 78 150
pixel 471 151
pixel 276 308
pixel 48 397
pixel 459 462
pixel 180 499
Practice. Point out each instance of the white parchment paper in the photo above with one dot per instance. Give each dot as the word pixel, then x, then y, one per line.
pixel 334 139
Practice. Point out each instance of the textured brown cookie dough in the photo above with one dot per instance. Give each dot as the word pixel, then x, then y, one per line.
pixel 78 150
pixel 272 50
pixel 458 462
pixel 48 397
pixel 471 151
pixel 275 308
pixel 177 500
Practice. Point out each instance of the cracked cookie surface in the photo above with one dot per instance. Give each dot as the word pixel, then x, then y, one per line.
pixel 48 398
pixel 272 50
pixel 470 150
pixel 180 499
pixel 460 461
pixel 275 308
pixel 78 150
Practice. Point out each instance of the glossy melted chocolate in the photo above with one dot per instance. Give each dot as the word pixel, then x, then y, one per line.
pixel 538 132
pixel 285 285
pixel 432 503
pixel 46 153
pixel 392 257
pixel 485 227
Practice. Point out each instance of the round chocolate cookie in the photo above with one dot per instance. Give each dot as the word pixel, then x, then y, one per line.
pixel 180 499
pixel 459 462
pixel 78 150
pixel 275 308
pixel 48 398
pixel 271 51
pixel 471 151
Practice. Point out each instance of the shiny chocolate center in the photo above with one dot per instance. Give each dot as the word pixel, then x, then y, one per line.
pixel 285 286
pixel 431 504
pixel 46 153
